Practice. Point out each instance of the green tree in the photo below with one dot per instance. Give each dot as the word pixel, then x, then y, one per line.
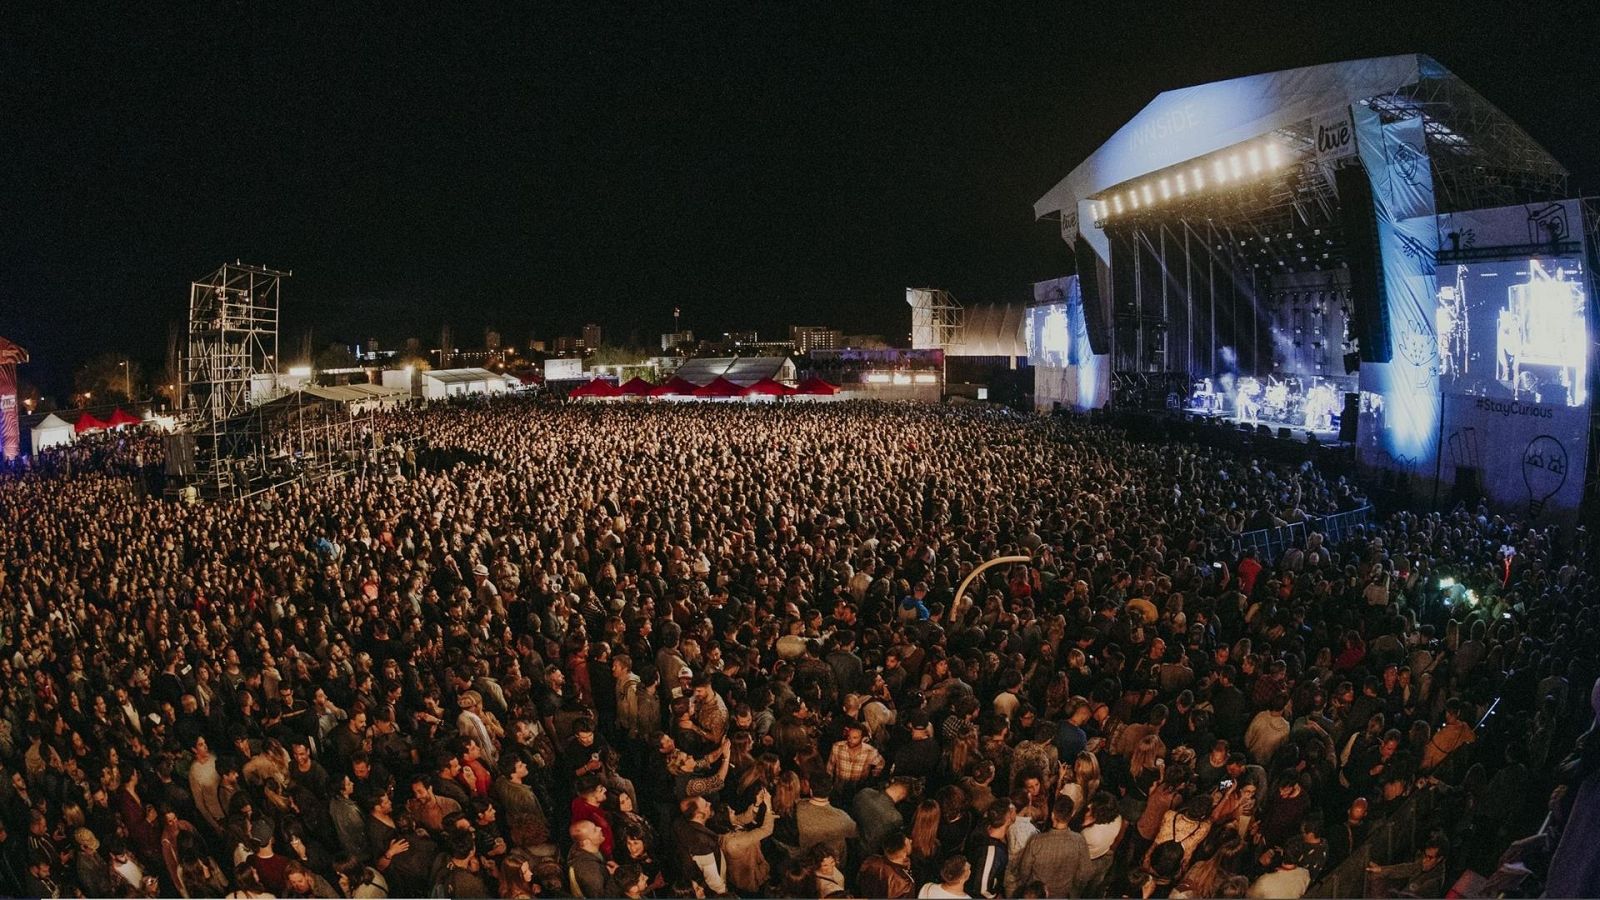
pixel 109 378
pixel 611 355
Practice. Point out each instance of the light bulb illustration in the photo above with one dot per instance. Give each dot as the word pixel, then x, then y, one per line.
pixel 1544 471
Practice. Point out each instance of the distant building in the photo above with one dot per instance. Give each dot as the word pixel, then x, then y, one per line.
pixel 569 344
pixel 535 345
pixel 672 339
pixel 740 337
pixel 807 338
pixel 491 339
pixel 592 335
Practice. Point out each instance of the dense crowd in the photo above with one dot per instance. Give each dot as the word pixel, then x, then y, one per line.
pixel 698 650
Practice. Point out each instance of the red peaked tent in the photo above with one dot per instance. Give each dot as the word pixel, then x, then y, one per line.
pixel 674 386
pixel 767 387
pixel 596 388
pixel 636 387
pixel 121 418
pixel 816 387
pixel 87 422
pixel 719 387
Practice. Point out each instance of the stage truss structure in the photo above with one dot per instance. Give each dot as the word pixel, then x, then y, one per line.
pixel 937 318
pixel 232 339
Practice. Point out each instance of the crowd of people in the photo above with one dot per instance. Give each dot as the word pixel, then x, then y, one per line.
pixel 716 650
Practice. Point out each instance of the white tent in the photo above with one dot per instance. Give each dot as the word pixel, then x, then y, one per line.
pixel 440 383
pixel 52 431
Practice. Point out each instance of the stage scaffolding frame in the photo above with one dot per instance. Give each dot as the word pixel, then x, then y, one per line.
pixel 232 339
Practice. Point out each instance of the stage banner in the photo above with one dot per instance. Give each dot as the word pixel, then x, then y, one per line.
pixel 1529 457
pixel 563 369
pixel 1400 399
pixel 1520 228
pixel 1336 136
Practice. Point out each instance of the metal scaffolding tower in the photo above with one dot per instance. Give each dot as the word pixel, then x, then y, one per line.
pixel 233 337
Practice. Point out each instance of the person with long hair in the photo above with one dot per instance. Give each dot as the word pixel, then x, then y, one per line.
pixel 515 873
pixel 926 857
pixel 1206 877
pixel 1083 781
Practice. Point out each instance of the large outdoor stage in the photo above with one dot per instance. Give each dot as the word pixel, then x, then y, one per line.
pixel 1365 251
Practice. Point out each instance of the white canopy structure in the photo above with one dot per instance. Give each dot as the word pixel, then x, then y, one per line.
pixel 51 431
pixel 440 383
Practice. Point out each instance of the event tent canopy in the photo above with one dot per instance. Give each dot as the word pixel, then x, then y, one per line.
pixel 674 386
pixel 120 418
pixel 719 387
pixel 87 422
pixel 636 387
pixel 51 431
pixel 816 387
pixel 599 387
pixel 766 387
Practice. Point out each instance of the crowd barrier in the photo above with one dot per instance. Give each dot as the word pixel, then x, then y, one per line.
pixel 1270 543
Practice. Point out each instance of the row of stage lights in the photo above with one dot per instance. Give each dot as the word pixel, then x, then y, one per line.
pixel 1233 168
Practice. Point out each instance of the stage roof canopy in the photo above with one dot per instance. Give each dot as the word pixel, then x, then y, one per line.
pixel 1466 134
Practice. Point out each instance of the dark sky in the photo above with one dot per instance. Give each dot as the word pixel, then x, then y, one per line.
pixel 532 166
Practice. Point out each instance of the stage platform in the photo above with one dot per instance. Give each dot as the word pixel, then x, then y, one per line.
pixel 1327 437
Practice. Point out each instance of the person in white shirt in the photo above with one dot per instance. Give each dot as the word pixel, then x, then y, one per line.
pixel 1287 882
pixel 1102 831
pixel 952 884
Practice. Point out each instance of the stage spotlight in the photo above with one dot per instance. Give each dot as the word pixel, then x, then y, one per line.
pixel 1220 171
pixel 1148 196
pixel 1133 199
pixel 1199 179
pixel 1183 187
pixel 1116 202
pixel 1255 161
pixel 1235 167
pixel 1272 154
pixel 1166 189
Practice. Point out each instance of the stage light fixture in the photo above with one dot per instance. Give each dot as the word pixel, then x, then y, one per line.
pixel 1116 203
pixel 1272 154
pixel 1166 189
pixel 1133 199
pixel 1220 170
pixel 1183 186
pixel 1199 179
pixel 1149 196
pixel 1255 161
pixel 1235 167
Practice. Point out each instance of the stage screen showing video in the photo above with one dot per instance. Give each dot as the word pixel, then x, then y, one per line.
pixel 1049 335
pixel 1515 329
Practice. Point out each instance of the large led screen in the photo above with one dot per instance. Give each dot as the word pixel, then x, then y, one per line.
pixel 1048 332
pixel 1515 330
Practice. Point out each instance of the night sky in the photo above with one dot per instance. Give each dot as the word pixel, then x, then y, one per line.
pixel 530 167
